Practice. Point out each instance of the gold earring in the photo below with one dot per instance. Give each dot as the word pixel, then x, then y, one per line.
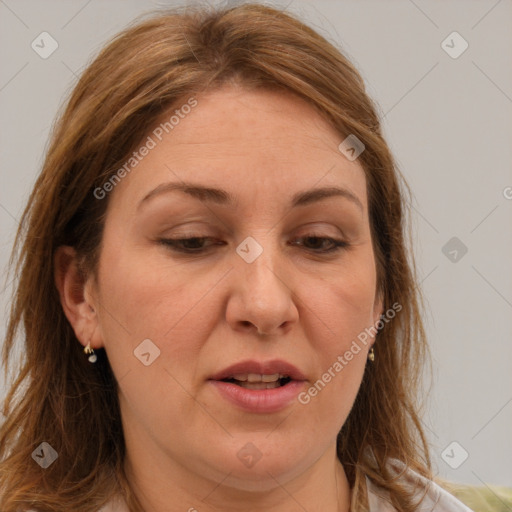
pixel 371 355
pixel 92 356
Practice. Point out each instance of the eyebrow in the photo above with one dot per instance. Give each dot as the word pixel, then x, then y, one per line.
pixel 223 197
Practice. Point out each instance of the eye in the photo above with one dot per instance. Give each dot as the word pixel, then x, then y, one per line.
pixel 196 244
pixel 190 245
pixel 318 244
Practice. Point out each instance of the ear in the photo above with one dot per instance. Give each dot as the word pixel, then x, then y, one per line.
pixel 378 307
pixel 76 296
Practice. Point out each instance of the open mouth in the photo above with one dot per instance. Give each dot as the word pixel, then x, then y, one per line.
pixel 258 381
pixel 262 387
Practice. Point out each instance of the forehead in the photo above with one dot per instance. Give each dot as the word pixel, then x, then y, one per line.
pixel 260 145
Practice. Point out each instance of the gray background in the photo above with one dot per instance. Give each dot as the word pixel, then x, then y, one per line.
pixel 449 123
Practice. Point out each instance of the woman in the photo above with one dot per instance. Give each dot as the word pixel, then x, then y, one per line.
pixel 218 308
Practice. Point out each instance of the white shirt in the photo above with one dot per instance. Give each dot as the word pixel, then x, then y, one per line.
pixel 436 499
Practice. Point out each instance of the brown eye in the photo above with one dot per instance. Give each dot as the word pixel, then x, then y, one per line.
pixel 191 245
pixel 322 244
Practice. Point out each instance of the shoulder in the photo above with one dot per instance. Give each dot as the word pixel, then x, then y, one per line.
pixel 431 496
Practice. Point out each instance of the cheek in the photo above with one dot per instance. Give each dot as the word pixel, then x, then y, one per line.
pixel 141 302
pixel 341 313
pixel 343 305
pixel 145 295
pixel 151 298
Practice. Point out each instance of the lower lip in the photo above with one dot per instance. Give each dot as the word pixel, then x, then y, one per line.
pixel 259 400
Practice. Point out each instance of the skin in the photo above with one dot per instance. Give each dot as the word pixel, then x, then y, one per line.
pixel 204 311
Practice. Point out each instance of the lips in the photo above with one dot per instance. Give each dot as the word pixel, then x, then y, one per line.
pixel 258 371
pixel 259 387
pixel 259 381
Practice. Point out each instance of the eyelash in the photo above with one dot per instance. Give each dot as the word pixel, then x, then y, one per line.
pixel 173 244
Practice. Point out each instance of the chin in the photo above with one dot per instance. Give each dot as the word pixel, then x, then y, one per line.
pixel 265 471
pixel 264 479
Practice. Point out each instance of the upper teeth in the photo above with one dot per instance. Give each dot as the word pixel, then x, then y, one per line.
pixel 256 377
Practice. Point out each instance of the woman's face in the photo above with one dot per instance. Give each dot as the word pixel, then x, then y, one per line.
pixel 177 318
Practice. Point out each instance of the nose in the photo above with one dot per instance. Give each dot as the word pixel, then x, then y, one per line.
pixel 263 296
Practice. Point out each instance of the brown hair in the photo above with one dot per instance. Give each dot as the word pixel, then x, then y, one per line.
pixel 57 396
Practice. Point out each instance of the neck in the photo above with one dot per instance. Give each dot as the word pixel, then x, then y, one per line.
pixel 160 485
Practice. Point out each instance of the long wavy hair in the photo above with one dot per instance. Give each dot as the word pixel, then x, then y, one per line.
pixel 56 396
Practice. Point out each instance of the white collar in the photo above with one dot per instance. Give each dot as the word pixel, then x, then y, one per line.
pixel 435 498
